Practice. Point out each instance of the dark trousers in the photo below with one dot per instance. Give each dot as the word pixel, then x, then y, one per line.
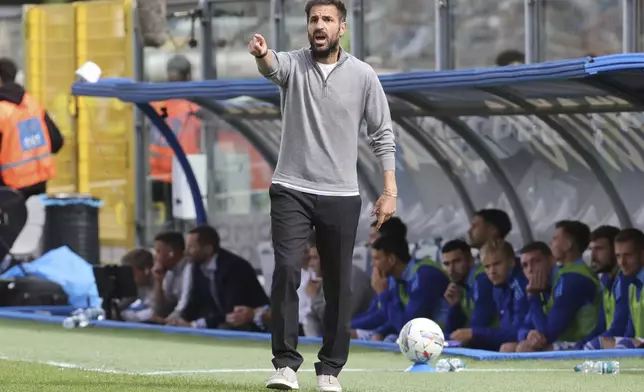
pixel 335 218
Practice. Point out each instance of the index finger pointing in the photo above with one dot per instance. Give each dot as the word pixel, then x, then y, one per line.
pixel 381 220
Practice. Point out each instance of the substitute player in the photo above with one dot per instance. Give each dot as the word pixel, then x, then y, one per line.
pixel 326 95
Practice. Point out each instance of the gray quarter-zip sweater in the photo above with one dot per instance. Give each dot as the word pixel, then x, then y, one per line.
pixel 321 122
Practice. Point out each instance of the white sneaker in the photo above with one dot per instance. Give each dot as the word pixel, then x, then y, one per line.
pixel 328 384
pixel 284 379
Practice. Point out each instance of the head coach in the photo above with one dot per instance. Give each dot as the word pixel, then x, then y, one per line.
pixel 326 95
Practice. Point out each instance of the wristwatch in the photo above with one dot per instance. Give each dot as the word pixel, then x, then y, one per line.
pixel 261 56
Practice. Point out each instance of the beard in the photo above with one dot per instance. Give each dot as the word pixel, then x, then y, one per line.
pixel 599 269
pixel 321 53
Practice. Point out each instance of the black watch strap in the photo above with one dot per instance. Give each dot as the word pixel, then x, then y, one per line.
pixel 261 56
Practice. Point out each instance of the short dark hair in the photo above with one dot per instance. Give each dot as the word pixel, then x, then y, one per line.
pixel 139 259
pixel 339 4
pixel 536 246
pixel 457 244
pixel 173 239
pixel 8 70
pixel 180 65
pixel 392 226
pixel 578 231
pixel 395 245
pixel 497 218
pixel 207 235
pixel 510 56
pixel 606 231
pixel 634 236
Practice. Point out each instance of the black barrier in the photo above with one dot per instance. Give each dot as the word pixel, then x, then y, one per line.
pixel 13 216
pixel 114 283
pixel 72 220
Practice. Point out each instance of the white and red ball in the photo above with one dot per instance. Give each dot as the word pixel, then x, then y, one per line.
pixel 421 340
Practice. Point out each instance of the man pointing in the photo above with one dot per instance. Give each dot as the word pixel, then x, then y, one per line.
pixel 326 95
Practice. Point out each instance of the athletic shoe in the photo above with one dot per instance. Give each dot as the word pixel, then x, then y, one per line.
pixel 328 384
pixel 284 379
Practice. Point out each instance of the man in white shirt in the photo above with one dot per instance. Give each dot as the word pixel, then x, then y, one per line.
pixel 171 277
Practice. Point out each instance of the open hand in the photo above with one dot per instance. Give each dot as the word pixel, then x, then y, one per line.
pixel 536 339
pixel 158 272
pixel 538 282
pixel 257 45
pixel 379 281
pixel 463 335
pixel 453 294
pixel 241 315
pixel 313 287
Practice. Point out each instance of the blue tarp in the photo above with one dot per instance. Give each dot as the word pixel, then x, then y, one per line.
pixel 63 266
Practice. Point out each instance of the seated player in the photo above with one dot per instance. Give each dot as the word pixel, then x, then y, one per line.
pixel 376 315
pixel 614 288
pixel 629 251
pixel 419 286
pixel 564 301
pixel 469 294
pixel 362 294
pixel 383 286
pixel 138 309
pixel 510 298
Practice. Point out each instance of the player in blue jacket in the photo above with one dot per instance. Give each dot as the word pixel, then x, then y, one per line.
pixel 614 287
pixel 565 300
pixel 629 252
pixel 363 324
pixel 509 295
pixel 469 294
pixel 419 288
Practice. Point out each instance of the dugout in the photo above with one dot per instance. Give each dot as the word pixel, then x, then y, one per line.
pixel 576 150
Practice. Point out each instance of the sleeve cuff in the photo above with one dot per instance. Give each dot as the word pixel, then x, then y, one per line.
pixel 387 163
pixel 477 334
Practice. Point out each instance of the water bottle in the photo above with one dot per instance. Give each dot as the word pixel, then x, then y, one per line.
pixel 90 313
pixel 458 365
pixel 76 321
pixel 443 366
pixel 95 314
pixel 450 365
pixel 599 367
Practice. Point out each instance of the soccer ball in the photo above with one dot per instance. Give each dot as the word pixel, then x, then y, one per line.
pixel 421 340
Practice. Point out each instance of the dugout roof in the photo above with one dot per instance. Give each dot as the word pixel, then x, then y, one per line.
pixel 544 141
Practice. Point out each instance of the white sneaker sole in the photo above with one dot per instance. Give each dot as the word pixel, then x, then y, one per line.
pixel 332 388
pixel 282 385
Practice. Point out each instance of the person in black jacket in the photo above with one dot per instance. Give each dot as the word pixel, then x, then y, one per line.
pixel 221 282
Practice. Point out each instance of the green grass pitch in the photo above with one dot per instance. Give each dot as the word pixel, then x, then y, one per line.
pixel 42 358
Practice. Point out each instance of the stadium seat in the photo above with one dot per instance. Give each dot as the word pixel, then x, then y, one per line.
pixel 28 243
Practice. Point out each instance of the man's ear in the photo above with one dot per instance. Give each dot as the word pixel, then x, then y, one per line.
pixel 343 28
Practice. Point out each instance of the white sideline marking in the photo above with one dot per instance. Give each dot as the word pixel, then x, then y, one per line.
pixel 66 365
pixel 258 370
